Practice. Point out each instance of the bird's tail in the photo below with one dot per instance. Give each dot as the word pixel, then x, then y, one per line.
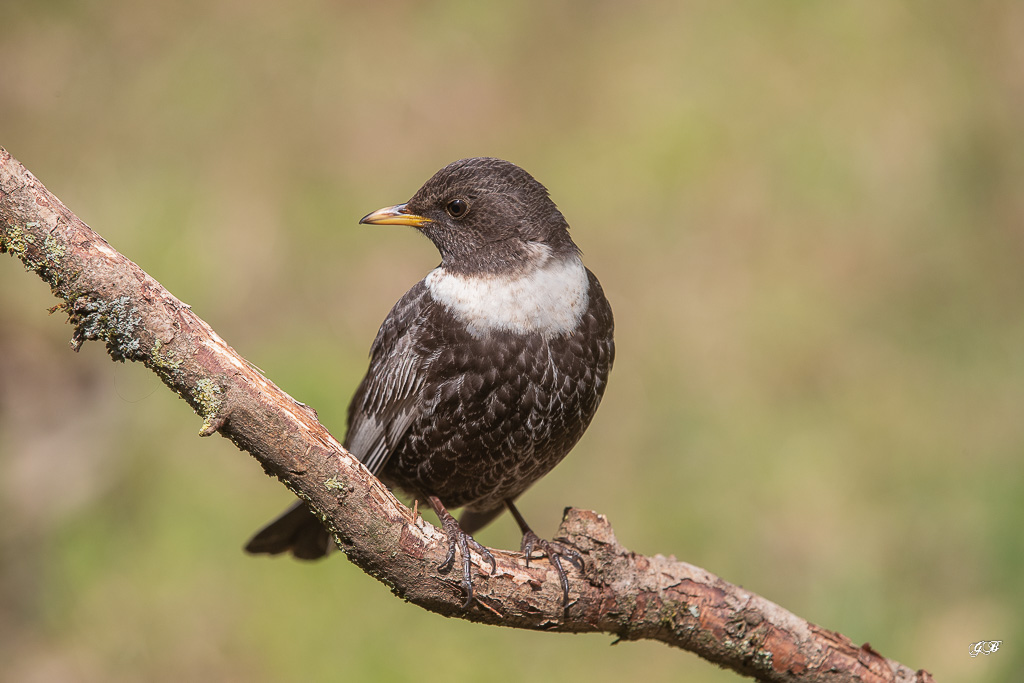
pixel 297 531
pixel 472 520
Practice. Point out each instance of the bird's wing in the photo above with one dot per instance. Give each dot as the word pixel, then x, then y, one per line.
pixel 388 399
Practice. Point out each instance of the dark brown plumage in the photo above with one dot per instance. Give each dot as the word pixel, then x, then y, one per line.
pixel 484 374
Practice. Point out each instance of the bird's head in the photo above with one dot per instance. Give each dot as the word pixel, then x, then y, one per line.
pixel 485 216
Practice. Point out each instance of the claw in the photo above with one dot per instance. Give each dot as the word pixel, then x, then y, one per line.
pixel 554 550
pixel 564 580
pixel 446 566
pixel 463 541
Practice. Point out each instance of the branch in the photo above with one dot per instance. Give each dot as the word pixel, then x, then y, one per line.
pixel 111 299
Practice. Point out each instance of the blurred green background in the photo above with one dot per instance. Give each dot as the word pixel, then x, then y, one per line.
pixel 809 218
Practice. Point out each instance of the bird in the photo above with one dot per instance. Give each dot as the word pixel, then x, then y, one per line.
pixel 485 374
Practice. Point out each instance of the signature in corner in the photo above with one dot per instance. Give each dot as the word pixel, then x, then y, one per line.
pixel 984 647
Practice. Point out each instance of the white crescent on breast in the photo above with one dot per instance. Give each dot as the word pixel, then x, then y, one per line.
pixel 549 299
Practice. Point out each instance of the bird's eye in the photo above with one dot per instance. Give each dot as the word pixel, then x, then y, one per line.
pixel 457 208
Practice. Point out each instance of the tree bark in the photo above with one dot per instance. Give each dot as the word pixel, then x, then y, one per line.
pixel 109 298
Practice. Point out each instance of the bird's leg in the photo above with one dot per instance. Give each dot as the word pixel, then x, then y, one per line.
pixel 554 550
pixel 457 537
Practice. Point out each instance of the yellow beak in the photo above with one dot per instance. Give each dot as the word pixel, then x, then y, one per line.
pixel 395 215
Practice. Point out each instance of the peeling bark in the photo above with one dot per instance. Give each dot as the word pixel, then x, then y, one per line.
pixel 109 298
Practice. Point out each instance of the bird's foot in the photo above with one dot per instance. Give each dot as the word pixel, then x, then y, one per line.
pixel 555 553
pixel 457 538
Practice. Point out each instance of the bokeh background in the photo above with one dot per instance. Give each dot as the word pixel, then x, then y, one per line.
pixel 809 218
